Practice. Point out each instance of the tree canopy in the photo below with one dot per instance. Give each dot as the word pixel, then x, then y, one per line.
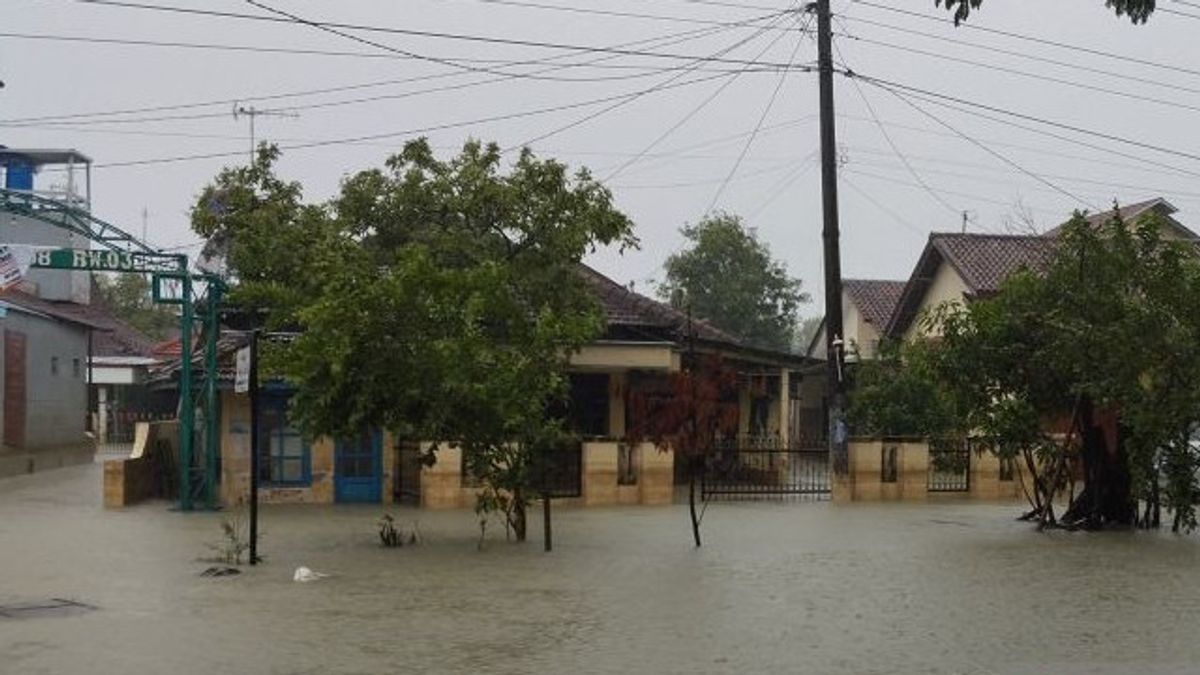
pixel 438 299
pixel 1090 363
pixel 727 276
pixel 1138 11
pixel 128 297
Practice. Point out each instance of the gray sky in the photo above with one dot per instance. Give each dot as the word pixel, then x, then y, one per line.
pixel 886 213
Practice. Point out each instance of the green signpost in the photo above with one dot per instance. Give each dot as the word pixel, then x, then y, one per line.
pixel 120 252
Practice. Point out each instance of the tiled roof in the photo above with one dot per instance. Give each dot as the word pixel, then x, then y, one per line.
pixel 984 261
pixel 876 299
pixel 623 307
pixel 63 311
pixel 1133 212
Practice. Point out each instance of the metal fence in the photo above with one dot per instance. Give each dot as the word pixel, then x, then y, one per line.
pixel 766 467
pixel 949 467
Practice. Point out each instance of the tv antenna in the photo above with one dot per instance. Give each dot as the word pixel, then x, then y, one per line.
pixel 252 112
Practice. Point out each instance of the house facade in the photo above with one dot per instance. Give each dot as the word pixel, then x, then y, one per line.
pixel 644 340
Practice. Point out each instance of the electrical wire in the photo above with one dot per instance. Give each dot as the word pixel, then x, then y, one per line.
pixel 882 207
pixel 761 120
pixel 985 147
pixel 591 116
pixel 891 143
pixel 664 40
pixel 1033 39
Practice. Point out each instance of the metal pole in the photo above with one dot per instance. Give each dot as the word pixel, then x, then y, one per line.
pixel 548 543
pixel 835 387
pixel 253 391
pixel 212 416
pixel 187 408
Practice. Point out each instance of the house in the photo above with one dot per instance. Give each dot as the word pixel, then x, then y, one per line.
pixel 43 402
pixel 643 339
pixel 957 267
pixel 867 306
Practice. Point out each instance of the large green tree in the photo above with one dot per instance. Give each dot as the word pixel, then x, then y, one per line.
pixel 1138 11
pixel 438 299
pixel 1089 365
pixel 727 276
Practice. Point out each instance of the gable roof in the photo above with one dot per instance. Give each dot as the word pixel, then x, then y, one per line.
pixel 1133 212
pixel 61 311
pixel 982 261
pixel 625 308
pixel 876 299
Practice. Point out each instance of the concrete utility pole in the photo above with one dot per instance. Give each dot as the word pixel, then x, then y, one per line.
pixel 834 341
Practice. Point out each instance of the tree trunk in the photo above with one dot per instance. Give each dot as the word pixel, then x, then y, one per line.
pixel 1107 497
pixel 518 514
pixel 692 507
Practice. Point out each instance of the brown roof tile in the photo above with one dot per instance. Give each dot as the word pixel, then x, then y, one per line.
pixel 984 261
pixel 875 298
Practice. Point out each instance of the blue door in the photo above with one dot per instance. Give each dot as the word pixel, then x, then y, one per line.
pixel 358 468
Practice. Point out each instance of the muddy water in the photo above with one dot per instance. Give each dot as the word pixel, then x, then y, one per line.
pixel 786 588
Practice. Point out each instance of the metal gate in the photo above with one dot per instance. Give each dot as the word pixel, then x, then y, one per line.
pixel 949 467
pixel 765 468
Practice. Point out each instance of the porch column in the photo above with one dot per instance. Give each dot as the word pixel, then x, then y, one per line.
pixel 785 407
pixel 617 384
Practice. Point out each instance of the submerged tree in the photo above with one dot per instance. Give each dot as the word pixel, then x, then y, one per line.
pixel 1092 361
pixel 688 412
pixel 438 299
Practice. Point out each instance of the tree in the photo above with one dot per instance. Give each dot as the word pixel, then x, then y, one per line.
pixel 895 394
pixel 728 277
pixel 689 412
pixel 1138 11
pixel 128 297
pixel 438 299
pixel 1092 363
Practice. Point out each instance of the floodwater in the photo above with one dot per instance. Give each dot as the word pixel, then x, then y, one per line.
pixel 778 588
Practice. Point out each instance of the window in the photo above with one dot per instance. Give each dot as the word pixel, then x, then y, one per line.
pixel 75 368
pixel 283 455
pixel 889 471
pixel 53 365
pixel 589 404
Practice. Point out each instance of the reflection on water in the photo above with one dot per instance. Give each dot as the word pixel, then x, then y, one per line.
pixel 786 588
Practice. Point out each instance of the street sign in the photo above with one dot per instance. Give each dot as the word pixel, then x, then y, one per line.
pixel 97 260
pixel 241 380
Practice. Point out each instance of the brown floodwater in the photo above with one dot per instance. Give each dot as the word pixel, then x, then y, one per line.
pixel 804 587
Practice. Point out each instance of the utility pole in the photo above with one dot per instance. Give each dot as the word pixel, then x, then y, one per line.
pixel 834 341
pixel 251 112
pixel 254 440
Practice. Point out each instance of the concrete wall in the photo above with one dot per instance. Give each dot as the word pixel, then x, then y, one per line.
pixel 442 486
pixel 48 284
pixel 140 476
pixel 55 402
pixel 947 286
pixel 864 481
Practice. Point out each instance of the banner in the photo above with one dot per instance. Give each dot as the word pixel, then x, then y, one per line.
pixel 14 264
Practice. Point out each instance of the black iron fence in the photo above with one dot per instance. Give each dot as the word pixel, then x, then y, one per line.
pixel 766 467
pixel 949 466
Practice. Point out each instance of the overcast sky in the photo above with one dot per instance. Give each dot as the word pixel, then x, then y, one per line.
pixel 891 198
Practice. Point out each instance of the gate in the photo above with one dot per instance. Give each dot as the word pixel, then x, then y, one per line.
pixel 754 467
pixel 949 466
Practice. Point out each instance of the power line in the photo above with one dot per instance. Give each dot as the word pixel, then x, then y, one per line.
pixel 1024 55
pixel 605 12
pixel 888 137
pixel 761 120
pixel 591 116
pixel 965 195
pixel 984 146
pixel 538 44
pixel 1029 38
pixel 777 189
pixel 669 39
pixel 1031 118
pixel 879 205
pixel 1024 73
pixel 407 132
